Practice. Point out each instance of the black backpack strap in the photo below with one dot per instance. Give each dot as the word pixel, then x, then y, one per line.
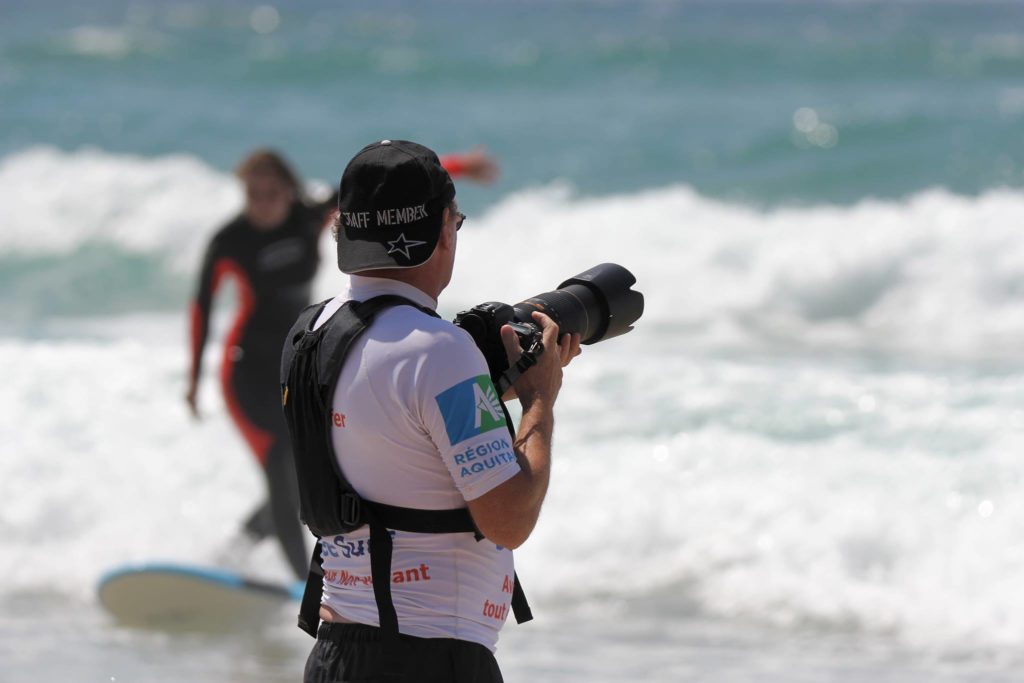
pixel 429 522
pixel 520 607
pixel 383 517
pixel 309 609
pixel 381 548
pixel 380 572
pixel 302 325
pixel 345 326
pixel 421 521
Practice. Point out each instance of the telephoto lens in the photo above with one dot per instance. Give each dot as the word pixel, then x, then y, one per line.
pixel 598 304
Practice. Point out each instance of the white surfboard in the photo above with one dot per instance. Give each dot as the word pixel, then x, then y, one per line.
pixel 188 598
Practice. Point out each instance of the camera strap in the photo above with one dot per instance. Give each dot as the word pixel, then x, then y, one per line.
pixel 525 362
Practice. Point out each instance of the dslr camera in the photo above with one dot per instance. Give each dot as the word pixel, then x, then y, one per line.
pixel 598 304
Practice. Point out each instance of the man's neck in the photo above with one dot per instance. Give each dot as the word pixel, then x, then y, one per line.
pixel 370 284
pixel 420 278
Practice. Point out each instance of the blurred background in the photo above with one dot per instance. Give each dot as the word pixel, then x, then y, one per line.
pixel 803 465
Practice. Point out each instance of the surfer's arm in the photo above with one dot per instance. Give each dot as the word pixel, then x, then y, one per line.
pixel 199 323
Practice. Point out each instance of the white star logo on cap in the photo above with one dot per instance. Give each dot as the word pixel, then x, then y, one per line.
pixel 402 245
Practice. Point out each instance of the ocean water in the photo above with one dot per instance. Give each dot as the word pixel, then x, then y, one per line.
pixel 803 465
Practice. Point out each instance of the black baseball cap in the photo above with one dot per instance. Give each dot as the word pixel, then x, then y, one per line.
pixel 390 202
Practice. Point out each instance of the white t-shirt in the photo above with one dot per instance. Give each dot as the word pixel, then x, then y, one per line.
pixel 417 423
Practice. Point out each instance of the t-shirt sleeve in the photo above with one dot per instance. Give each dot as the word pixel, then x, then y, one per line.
pixel 463 416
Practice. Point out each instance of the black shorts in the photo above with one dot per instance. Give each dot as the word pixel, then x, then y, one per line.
pixel 355 652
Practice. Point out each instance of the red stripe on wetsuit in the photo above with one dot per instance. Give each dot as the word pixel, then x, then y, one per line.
pixel 259 440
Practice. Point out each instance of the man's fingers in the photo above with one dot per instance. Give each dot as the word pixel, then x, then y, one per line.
pixel 549 328
pixel 566 347
pixel 569 347
pixel 569 344
pixel 510 340
pixel 543 320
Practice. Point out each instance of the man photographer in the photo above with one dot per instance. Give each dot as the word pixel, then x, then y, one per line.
pixel 415 426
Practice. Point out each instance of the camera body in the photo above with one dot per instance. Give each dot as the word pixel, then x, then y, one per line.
pixel 484 321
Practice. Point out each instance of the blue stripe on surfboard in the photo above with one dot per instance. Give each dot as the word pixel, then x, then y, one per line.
pixel 224 577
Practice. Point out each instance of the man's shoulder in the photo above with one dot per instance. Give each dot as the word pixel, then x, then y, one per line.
pixel 406 328
pixel 426 356
pixel 433 349
pixel 425 332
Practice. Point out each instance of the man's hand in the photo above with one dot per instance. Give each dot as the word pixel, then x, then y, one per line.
pixel 545 378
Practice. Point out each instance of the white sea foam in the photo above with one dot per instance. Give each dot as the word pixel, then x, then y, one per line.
pixel 58 201
pixel 99 451
pixel 936 273
pixel 933 275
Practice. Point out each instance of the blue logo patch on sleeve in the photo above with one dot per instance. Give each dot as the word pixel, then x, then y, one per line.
pixel 470 408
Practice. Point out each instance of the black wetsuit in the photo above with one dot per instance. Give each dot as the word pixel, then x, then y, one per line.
pixel 273 271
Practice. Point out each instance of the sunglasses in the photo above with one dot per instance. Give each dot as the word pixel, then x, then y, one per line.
pixel 462 218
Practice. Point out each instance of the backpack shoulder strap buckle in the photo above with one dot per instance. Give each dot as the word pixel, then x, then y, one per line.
pixel 351 509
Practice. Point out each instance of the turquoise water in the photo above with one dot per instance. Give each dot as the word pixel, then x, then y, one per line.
pixel 609 96
pixel 817 421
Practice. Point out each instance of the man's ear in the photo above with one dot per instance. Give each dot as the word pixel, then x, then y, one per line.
pixel 447 237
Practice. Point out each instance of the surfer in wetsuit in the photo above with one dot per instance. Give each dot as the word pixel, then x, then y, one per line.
pixel 270 251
